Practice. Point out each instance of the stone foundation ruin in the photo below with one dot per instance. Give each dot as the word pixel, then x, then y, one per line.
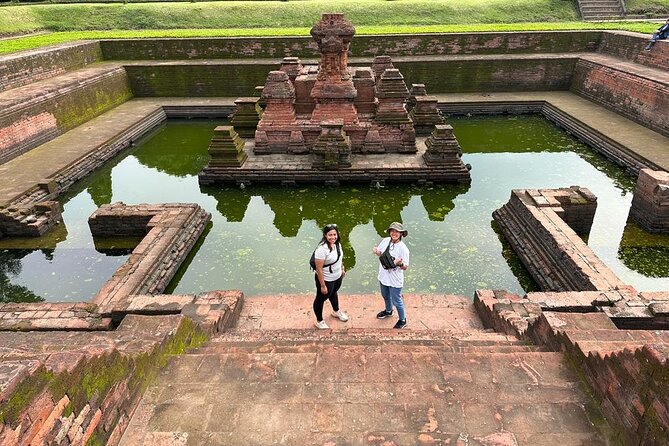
pixel 332 111
pixel 369 101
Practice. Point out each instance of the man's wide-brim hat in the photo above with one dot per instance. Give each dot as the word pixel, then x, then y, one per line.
pixel 399 228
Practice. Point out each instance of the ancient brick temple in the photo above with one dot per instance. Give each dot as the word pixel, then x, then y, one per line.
pixel 368 101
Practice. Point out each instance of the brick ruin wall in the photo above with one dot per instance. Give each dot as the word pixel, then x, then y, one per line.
pixel 65 388
pixel 615 337
pixel 626 370
pixel 639 99
pixel 27 124
pixel 169 232
pixel 650 205
pixel 540 225
pixel 83 387
pixel 43 63
pixel 361 46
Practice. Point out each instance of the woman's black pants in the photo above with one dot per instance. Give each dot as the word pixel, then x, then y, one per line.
pixel 331 295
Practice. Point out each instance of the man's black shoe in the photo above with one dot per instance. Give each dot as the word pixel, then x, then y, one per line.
pixel 384 314
pixel 401 323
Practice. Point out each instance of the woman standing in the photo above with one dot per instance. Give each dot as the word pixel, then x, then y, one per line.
pixel 394 260
pixel 329 274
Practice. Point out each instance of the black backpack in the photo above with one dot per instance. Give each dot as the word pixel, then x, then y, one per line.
pixel 312 260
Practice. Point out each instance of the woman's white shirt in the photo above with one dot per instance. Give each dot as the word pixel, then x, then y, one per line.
pixel 393 277
pixel 323 253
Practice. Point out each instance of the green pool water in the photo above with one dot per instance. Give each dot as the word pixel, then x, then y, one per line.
pixel 261 238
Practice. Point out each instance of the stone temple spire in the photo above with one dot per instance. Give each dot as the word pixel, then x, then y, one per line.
pixel 334 91
pixel 333 34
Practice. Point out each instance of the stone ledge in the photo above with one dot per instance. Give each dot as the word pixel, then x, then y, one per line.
pixel 98 377
pixel 541 227
pixel 52 316
pixel 171 230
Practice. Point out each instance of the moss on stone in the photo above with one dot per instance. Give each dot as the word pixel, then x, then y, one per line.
pixel 24 394
pixel 82 106
pixel 96 377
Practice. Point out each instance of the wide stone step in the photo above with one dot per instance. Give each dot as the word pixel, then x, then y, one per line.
pixel 600 7
pixel 286 341
pixel 366 396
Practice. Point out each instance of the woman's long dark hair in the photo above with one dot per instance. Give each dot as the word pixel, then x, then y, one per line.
pixel 324 239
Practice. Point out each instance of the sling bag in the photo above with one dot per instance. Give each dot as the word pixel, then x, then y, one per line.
pixel 387 261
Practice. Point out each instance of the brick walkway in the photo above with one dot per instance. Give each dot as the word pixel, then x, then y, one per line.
pixel 272 380
pixel 26 171
pixel 638 139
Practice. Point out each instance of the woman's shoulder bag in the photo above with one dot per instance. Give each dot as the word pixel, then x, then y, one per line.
pixel 387 261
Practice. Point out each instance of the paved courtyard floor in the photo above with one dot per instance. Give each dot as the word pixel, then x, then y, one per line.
pixel 275 379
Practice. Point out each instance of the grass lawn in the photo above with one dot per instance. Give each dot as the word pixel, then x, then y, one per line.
pixel 66 22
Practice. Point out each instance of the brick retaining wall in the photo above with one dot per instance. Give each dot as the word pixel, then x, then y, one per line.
pixel 74 388
pixel 640 99
pixel 31 66
pixel 459 74
pixel 540 225
pixel 28 121
pixel 629 46
pixel 626 371
pixel 361 46
pixel 170 231
pixel 211 79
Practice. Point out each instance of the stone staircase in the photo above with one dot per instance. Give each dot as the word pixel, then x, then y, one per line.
pixel 594 10
pixel 455 383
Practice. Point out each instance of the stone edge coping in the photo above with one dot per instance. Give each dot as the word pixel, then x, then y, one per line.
pixel 170 231
pixel 208 309
pixel 548 105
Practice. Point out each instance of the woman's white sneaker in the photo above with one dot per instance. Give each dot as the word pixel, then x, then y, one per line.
pixel 321 325
pixel 341 315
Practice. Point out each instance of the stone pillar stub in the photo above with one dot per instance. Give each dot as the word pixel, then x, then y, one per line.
pixel 425 114
pixel 381 64
pixel 415 91
pixel 291 66
pixel 443 151
pixel 650 205
pixel 226 148
pixel 246 116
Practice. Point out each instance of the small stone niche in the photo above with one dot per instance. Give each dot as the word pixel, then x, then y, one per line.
pixel 333 146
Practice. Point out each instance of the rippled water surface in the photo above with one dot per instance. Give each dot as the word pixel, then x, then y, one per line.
pixel 261 238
